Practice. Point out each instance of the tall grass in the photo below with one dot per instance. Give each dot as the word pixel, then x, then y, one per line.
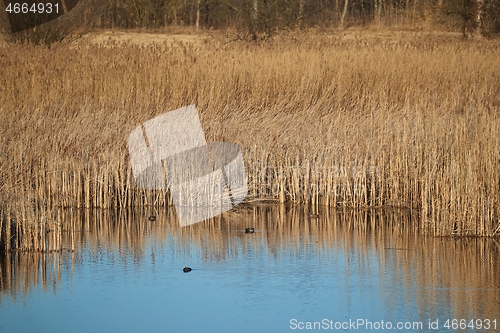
pixel 365 121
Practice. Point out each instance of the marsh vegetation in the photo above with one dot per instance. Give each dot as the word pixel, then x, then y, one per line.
pixel 349 120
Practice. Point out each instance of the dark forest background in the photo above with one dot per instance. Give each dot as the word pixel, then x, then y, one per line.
pixel 261 18
pixel 266 16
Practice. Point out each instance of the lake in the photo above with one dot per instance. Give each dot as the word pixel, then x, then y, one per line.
pixel 301 270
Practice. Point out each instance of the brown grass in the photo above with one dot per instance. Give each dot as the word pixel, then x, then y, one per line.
pixel 359 121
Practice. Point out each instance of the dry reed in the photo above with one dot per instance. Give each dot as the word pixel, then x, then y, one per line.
pixel 322 119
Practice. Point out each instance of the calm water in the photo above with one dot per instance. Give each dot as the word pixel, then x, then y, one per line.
pixel 346 271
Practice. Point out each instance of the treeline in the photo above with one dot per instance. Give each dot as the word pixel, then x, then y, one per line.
pixel 266 16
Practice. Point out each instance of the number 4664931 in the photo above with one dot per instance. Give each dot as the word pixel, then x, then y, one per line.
pixel 36 8
pixel 475 324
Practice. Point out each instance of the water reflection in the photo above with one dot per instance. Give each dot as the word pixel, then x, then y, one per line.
pixel 298 264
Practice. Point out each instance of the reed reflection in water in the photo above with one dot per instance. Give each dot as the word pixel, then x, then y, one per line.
pixel 123 272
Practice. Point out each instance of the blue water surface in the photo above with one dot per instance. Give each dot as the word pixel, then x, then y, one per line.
pixel 252 286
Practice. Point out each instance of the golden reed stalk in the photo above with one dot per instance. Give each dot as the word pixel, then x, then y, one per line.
pixel 356 121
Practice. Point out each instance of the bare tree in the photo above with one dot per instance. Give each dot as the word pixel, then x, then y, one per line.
pixel 301 11
pixel 478 17
pixel 472 13
pixel 255 10
pixel 377 6
pixel 197 14
pixel 344 12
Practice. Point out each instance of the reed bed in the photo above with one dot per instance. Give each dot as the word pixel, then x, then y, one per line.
pixel 397 121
